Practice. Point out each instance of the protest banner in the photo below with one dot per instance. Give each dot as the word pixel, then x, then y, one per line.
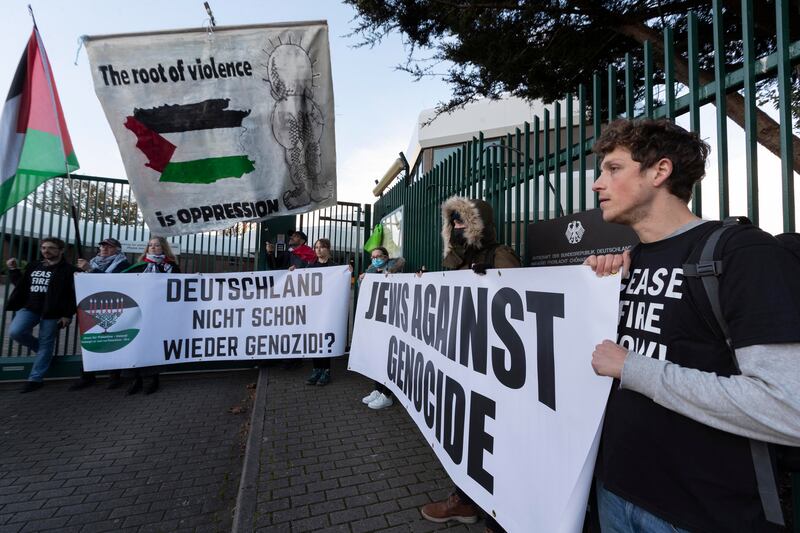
pixel 496 373
pixel 221 128
pixel 136 320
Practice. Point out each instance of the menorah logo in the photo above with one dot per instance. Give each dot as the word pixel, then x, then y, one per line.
pixel 105 312
pixel 108 321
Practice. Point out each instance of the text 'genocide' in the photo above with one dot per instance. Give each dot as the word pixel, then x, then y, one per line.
pixel 455 322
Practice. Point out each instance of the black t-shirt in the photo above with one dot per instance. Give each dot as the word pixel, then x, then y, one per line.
pixel 40 283
pixel 317 264
pixel 694 476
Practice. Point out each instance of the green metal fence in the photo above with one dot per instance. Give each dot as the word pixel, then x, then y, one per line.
pixel 345 225
pixel 545 168
pixel 107 208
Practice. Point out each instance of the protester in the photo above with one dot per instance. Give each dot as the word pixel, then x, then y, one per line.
pixel 109 260
pixel 683 420
pixel 468 242
pixel 44 294
pixel 381 397
pixel 321 373
pixel 157 259
pixel 299 254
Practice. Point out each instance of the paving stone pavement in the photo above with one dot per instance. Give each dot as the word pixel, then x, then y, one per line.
pixel 97 460
pixel 330 463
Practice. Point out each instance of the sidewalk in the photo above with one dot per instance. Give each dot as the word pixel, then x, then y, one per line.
pixel 97 460
pixel 330 463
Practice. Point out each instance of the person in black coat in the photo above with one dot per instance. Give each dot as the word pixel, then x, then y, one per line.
pixel 45 295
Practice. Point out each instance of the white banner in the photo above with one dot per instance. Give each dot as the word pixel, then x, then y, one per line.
pixel 135 320
pixel 220 128
pixel 496 372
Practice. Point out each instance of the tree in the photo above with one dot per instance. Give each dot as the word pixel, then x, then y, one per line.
pixel 543 50
pixel 95 201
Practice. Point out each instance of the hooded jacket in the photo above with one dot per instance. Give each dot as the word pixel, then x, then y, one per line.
pixel 480 244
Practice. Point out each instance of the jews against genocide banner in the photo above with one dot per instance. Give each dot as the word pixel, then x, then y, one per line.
pixel 136 320
pixel 496 372
pixel 223 127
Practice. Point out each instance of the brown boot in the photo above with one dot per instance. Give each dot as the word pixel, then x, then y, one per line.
pixel 450 509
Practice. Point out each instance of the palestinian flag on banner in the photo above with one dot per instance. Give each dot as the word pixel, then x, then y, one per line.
pixel 192 143
pixel 34 141
pixel 108 321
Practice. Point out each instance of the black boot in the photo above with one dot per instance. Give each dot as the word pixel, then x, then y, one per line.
pixel 152 385
pixel 31 386
pixel 115 380
pixel 135 387
pixel 87 379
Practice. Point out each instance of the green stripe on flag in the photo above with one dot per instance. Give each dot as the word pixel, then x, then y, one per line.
pixel 207 170
pixel 40 161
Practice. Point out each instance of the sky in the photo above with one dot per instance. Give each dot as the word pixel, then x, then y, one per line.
pixel 376 106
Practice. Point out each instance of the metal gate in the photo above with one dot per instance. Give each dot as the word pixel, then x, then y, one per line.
pixel 106 208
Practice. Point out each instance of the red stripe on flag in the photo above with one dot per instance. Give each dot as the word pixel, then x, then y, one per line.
pixel 157 149
pixel 36 111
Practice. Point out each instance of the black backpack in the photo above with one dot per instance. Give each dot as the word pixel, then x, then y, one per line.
pixel 705 265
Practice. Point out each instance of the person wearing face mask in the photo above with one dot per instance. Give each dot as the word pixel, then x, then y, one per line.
pixel 468 237
pixel 109 260
pixel 469 242
pixel 157 259
pixel 381 397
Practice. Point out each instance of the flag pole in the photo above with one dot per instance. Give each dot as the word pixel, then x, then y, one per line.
pixel 46 67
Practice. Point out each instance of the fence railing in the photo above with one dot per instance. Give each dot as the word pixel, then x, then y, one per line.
pixel 546 168
pixel 346 225
pixel 106 208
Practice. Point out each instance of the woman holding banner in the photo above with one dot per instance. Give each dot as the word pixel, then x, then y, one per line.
pixel 381 397
pixel 468 242
pixel 321 374
pixel 157 259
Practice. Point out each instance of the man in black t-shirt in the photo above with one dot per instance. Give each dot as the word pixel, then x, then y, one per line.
pixel 43 295
pixel 676 445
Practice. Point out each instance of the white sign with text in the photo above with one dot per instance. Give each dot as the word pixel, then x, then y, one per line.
pixel 496 372
pixel 136 320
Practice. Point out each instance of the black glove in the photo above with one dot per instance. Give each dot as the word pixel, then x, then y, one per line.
pixel 480 268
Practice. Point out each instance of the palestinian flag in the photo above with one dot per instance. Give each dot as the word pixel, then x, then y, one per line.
pixel 192 143
pixel 108 321
pixel 34 141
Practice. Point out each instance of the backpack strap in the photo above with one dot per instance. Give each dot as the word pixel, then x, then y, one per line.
pixel 708 268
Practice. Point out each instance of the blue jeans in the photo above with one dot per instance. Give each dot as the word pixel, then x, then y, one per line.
pixel 20 330
pixel 618 515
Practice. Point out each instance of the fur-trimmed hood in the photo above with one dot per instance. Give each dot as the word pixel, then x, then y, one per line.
pixel 477 216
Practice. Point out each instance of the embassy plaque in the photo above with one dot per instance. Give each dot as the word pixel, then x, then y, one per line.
pixel 571 239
